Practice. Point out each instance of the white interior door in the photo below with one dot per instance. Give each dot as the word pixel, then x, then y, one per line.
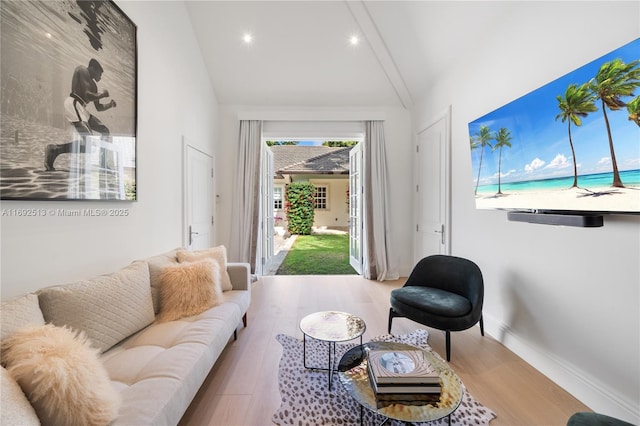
pixel 432 189
pixel 267 207
pixel 198 199
pixel 355 208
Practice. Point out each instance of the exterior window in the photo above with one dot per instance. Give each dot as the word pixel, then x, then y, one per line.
pixel 277 197
pixel 321 197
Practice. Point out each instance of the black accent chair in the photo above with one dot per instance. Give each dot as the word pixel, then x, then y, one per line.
pixel 442 292
pixel 595 419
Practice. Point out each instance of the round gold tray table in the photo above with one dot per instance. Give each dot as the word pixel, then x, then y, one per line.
pixel 352 372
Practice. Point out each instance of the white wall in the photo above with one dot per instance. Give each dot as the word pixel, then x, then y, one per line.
pixel 565 299
pixel 175 99
pixel 397 125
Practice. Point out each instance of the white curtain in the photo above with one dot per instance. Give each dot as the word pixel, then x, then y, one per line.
pixel 246 202
pixel 378 261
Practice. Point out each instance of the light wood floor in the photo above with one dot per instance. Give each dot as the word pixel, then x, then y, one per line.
pixel 242 388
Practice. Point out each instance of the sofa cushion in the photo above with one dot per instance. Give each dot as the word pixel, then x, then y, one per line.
pixel 188 289
pixel 156 266
pixel 108 308
pixel 159 370
pixel 218 254
pixel 61 375
pixel 242 299
pixel 16 411
pixel 18 312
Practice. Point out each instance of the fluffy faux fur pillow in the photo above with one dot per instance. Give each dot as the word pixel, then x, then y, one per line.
pixel 188 289
pixel 218 254
pixel 61 375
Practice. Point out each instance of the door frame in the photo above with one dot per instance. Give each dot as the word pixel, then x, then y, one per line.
pixel 446 184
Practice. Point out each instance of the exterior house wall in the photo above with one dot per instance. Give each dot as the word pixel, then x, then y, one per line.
pixel 337 212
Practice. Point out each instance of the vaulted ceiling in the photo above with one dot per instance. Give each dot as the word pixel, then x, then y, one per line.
pixel 301 53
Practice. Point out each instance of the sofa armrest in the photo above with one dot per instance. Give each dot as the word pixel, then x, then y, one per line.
pixel 240 275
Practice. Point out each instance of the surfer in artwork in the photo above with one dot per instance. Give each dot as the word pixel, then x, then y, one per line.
pixel 84 90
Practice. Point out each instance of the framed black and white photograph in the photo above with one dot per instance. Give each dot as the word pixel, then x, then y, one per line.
pixel 68 80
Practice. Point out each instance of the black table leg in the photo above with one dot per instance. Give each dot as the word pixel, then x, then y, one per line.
pixel 331 344
pixel 304 350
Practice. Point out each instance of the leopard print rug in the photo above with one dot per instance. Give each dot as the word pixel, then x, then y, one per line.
pixel 306 399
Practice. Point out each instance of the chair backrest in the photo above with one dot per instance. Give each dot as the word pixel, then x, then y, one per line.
pixel 455 274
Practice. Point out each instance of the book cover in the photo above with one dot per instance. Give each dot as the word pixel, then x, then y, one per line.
pixel 407 399
pixel 401 367
pixel 407 389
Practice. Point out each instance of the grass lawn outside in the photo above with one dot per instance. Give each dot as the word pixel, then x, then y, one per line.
pixel 321 254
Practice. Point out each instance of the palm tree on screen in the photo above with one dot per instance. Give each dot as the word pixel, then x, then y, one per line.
pixel 633 108
pixel 613 81
pixel 480 140
pixel 577 103
pixel 502 138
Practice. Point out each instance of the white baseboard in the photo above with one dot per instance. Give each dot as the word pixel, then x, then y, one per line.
pixel 582 385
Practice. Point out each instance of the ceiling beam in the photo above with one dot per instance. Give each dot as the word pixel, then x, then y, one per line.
pixel 370 31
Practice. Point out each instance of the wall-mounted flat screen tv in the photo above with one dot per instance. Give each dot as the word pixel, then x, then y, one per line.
pixel 571 145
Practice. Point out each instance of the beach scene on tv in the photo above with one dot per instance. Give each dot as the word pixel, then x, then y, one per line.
pixel 571 145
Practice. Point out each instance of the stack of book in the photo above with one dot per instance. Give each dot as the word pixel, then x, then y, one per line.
pixel 402 376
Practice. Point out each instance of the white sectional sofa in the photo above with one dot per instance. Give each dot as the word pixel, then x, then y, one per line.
pixel 157 368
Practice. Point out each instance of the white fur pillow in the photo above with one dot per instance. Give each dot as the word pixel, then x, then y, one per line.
pixel 61 375
pixel 218 254
pixel 188 289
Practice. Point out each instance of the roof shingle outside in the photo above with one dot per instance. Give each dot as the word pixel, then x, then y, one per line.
pixel 293 159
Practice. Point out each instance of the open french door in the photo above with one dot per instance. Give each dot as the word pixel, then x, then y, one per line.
pixel 355 208
pixel 267 207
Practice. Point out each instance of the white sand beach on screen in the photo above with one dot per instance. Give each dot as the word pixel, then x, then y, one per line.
pixel 602 199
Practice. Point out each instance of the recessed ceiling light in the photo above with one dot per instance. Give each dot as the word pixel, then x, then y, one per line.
pixel 247 38
pixel 354 40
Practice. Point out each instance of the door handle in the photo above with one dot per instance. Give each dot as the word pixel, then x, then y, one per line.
pixel 441 232
pixel 191 234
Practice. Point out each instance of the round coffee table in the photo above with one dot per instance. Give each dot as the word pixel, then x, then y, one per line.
pixel 331 327
pixel 352 372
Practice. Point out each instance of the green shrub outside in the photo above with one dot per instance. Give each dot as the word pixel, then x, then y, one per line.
pixel 299 206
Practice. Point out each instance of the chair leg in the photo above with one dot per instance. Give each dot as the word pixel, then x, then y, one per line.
pixel 391 316
pixel 481 325
pixel 448 344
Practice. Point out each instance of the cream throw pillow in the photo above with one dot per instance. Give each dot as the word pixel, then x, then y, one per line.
pixel 19 312
pixel 61 375
pixel 219 254
pixel 108 308
pixel 15 408
pixel 188 289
